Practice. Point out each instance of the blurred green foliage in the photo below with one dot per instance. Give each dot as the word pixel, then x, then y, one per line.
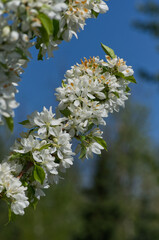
pixel 121 203
pixel 57 215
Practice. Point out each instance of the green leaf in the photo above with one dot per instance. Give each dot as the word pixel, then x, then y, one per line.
pixel 116 94
pixel 121 75
pixel 127 89
pixel 63 83
pixel 10 123
pixel 95 14
pixel 47 23
pixel 101 142
pixel 44 36
pixel 40 56
pixel 31 192
pixel 25 122
pixel 105 69
pixel 108 51
pixel 38 43
pixel 82 138
pixel 130 79
pixel 90 126
pixel 39 174
pixel 55 28
pixel 15 156
pixel 33 130
pixel 66 112
pixel 44 147
pixel 83 152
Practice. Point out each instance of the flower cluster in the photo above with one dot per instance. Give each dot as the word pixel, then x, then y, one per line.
pixel 13 52
pixel 19 24
pixel 90 91
pixel 11 187
pixel 42 23
pixel 93 89
pixel 44 150
pixel 77 12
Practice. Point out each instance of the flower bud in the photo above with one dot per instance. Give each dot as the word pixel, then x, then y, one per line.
pixel 6 31
pixel 14 36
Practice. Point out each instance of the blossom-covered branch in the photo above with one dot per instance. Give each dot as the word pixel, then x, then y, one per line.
pixel 90 91
pixel 43 23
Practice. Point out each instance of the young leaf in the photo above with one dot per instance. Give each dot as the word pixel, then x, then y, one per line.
pixel 119 74
pixel 39 174
pixel 83 152
pixel 63 84
pixel 44 147
pixel 40 56
pixel 25 122
pixel 46 22
pixel 38 43
pixel 95 14
pixel 101 142
pixel 31 192
pixel 108 51
pixel 44 37
pixel 127 89
pixel 116 94
pixel 82 138
pixel 55 28
pixel 90 126
pixel 15 156
pixel 130 78
pixel 66 112
pixel 10 123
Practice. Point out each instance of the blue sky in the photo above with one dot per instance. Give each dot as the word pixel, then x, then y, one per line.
pixel 114 29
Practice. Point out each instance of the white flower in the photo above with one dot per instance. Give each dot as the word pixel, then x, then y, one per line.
pixel 38 189
pixel 17 206
pixel 99 6
pixel 62 147
pixel 29 144
pixel 91 144
pixel 121 66
pixel 12 188
pixel 47 160
pixel 45 121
